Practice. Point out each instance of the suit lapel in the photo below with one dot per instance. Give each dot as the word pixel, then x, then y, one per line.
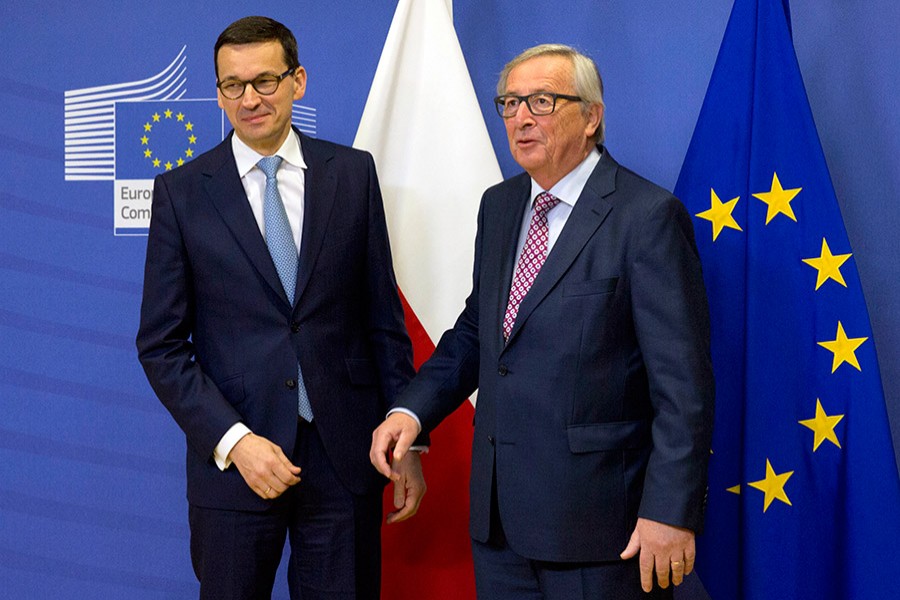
pixel 319 199
pixel 589 213
pixel 226 192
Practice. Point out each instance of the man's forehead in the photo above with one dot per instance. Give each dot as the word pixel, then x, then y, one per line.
pixel 541 73
pixel 262 57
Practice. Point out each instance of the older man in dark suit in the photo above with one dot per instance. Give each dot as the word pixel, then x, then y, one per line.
pixel 587 335
pixel 277 364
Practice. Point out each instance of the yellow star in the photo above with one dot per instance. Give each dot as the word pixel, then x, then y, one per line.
pixel 823 426
pixel 168 113
pixel 828 265
pixel 192 139
pixel 180 161
pixel 180 116
pixel 719 214
pixel 189 126
pixel 144 140
pixel 148 153
pixel 772 486
pixel 189 152
pixel 734 489
pixel 156 162
pixel 147 126
pixel 844 349
pixel 779 200
pixel 156 117
pixel 168 166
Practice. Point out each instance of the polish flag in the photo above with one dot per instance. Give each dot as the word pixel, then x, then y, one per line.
pixel 423 125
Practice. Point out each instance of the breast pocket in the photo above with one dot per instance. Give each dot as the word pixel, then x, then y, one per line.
pixel 591 287
pixel 344 235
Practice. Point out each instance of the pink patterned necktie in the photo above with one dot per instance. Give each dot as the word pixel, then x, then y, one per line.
pixel 534 253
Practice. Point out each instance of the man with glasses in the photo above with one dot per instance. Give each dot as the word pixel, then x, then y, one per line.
pixel 272 330
pixel 587 336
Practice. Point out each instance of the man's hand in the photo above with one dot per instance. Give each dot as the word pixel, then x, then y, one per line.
pixel 663 547
pixel 408 488
pixel 397 434
pixel 264 466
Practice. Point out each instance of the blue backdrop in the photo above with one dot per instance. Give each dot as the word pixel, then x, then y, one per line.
pixel 91 483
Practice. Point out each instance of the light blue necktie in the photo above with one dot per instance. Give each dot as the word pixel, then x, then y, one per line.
pixel 281 245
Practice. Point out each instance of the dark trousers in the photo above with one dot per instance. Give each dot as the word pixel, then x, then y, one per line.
pixel 503 574
pixel 335 538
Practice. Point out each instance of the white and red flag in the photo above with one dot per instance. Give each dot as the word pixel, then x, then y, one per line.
pixel 434 157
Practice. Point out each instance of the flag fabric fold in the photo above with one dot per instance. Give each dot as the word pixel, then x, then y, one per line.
pixel 804 498
pixel 423 125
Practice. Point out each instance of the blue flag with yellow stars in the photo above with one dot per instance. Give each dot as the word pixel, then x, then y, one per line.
pixel 159 135
pixel 804 495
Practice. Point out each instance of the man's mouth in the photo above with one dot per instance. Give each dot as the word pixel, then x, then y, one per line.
pixel 254 118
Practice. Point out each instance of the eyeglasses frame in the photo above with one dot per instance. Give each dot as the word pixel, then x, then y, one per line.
pixel 252 82
pixel 498 102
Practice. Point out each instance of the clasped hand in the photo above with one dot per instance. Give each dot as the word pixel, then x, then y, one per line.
pixel 390 455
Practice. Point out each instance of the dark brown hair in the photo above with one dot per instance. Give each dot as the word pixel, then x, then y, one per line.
pixel 251 30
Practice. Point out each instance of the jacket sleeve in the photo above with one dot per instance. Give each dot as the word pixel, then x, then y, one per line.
pixel 671 319
pixel 387 328
pixel 164 335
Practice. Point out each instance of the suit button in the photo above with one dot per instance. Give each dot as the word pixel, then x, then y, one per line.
pixel 291 384
pixel 502 370
pixel 491 440
pixel 295 327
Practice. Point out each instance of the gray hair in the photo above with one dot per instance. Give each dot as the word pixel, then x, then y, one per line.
pixel 588 84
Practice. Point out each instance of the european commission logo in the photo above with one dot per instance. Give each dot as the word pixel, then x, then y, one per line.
pixel 129 133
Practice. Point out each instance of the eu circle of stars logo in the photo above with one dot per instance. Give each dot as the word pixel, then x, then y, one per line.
pixel 168 139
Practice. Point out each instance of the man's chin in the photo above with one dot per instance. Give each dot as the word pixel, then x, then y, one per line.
pixel 530 161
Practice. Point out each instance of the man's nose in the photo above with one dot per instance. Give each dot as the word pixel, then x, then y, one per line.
pixel 250 99
pixel 523 116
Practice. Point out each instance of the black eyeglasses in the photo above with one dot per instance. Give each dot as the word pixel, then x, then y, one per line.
pixel 540 103
pixel 264 84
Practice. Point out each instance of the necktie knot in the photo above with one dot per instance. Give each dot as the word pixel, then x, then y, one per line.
pixel 269 165
pixel 544 202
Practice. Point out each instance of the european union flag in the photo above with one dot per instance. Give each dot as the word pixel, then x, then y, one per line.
pixel 804 498
pixel 157 136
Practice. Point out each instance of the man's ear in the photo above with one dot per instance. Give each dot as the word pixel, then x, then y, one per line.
pixel 299 81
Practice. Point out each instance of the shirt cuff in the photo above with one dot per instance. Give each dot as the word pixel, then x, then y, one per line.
pixel 227 443
pixel 408 413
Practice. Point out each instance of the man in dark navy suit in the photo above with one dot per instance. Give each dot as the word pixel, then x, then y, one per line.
pixel 587 336
pixel 272 330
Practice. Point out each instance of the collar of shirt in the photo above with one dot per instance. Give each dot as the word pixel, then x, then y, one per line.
pixel 246 157
pixel 569 188
pixel 291 181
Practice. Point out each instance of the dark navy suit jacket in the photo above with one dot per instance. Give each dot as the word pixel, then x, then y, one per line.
pixel 219 341
pixel 599 408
